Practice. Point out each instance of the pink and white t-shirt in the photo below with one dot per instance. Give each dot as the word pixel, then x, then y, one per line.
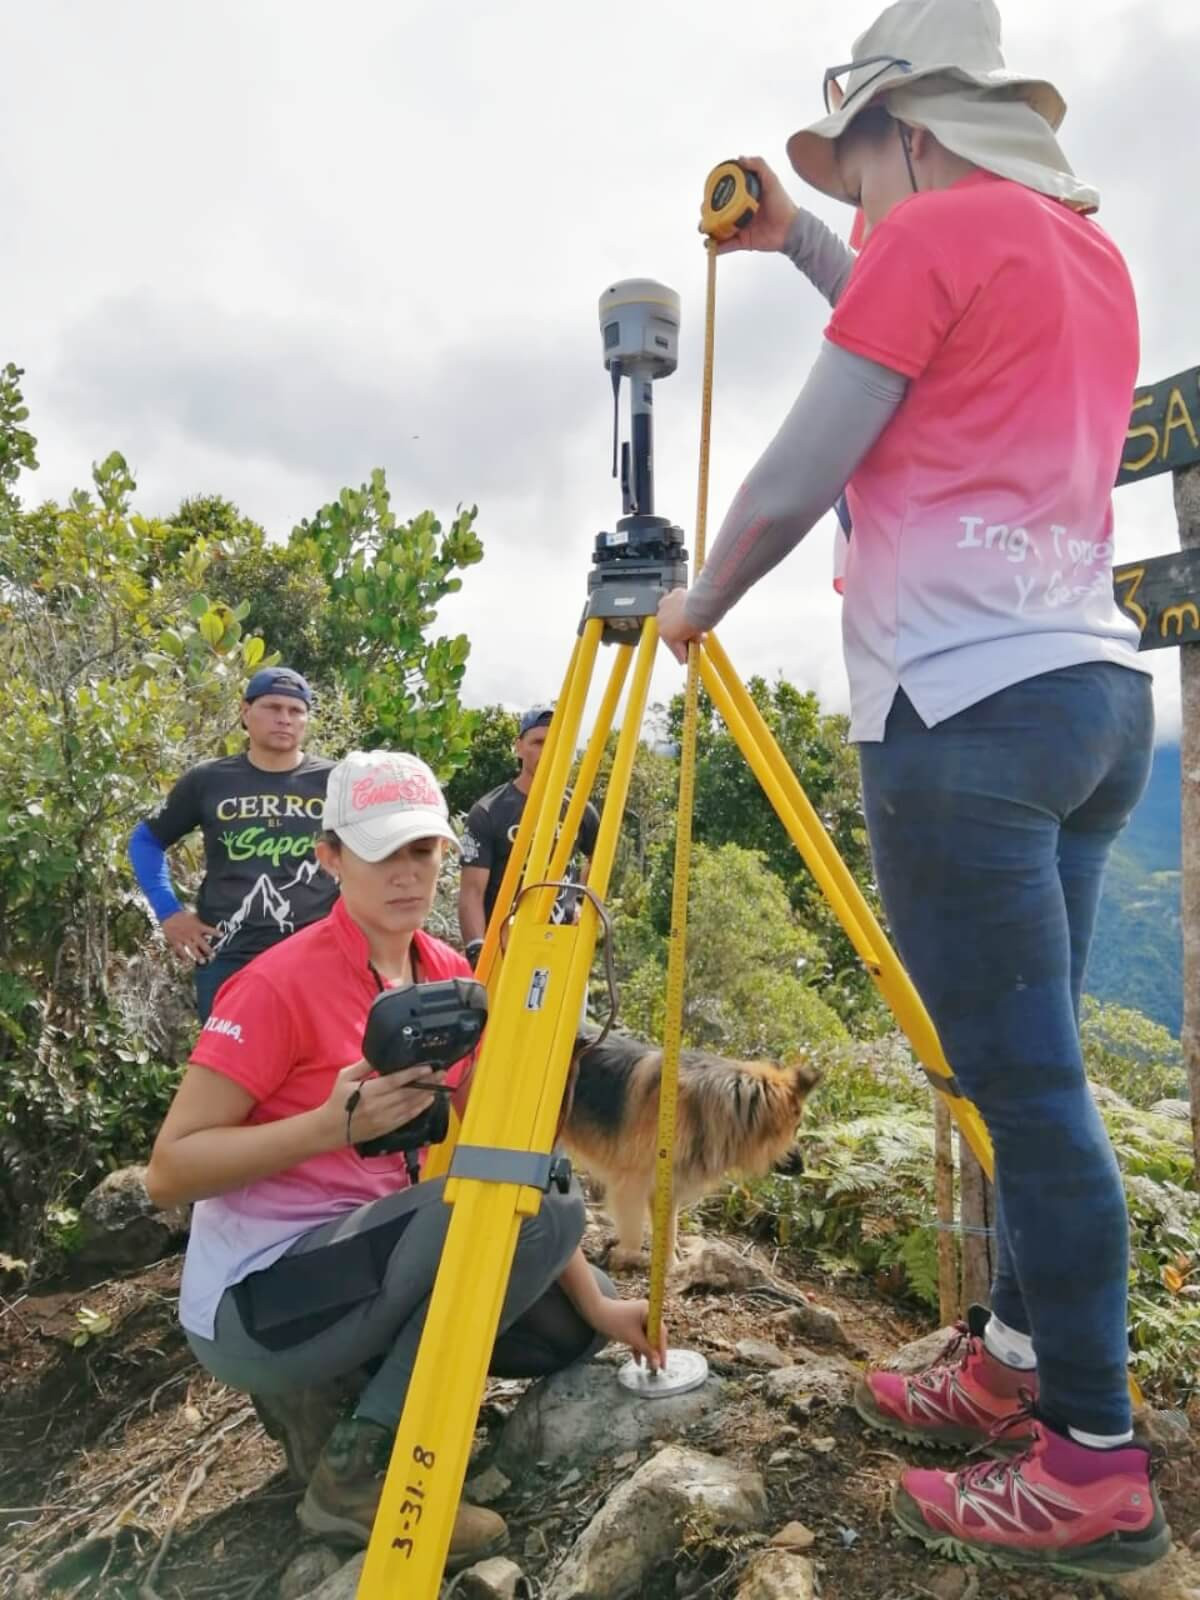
pixel 982 550
pixel 283 1027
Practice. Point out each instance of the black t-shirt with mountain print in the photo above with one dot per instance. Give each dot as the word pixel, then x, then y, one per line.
pixel 261 878
pixel 491 832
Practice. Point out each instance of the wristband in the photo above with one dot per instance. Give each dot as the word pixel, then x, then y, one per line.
pixel 474 947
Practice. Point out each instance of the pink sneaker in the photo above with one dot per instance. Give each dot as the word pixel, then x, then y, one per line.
pixel 963 1399
pixel 1059 1506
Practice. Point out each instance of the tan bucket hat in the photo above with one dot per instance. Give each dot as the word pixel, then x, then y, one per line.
pixel 938 64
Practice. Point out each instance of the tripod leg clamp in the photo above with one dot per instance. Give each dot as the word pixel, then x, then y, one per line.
pixel 527 1168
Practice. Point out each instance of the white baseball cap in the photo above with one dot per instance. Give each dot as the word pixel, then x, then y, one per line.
pixel 378 801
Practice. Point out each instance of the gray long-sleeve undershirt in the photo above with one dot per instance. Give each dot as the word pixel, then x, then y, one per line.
pixel 819 254
pixel 843 408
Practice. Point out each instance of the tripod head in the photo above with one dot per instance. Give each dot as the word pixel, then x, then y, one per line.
pixel 635 565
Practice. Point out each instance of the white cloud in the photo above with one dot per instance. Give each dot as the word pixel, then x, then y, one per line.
pixel 262 249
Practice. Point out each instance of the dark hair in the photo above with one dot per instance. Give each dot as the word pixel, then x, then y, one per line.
pixel 331 839
pixel 873 125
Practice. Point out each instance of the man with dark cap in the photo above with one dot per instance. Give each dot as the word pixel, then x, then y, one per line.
pixel 260 813
pixel 492 829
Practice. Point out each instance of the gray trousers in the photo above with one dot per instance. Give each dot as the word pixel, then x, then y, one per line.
pixel 540 1331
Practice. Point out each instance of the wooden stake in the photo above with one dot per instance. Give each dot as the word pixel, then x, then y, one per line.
pixel 977 1210
pixel 948 1304
pixel 1187 506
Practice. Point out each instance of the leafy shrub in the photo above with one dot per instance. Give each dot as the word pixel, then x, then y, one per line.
pixel 1128 1053
pixel 865 1202
pixel 748 991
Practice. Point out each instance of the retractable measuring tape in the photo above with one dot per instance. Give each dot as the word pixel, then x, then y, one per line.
pixel 731 199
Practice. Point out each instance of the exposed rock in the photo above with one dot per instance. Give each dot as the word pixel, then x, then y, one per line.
pixel 814 1379
pixel 497 1579
pixel 777 1575
pixel 920 1353
pixel 1167 1431
pixel 487 1487
pixel 583 1413
pixel 121 1226
pixel 1104 1096
pixel 951 1584
pixel 794 1536
pixel 1175 1578
pixel 641 1524
pixel 719 1269
pixel 343 1585
pixel 1177 1110
pixel 811 1321
pixel 308 1571
pixel 759 1353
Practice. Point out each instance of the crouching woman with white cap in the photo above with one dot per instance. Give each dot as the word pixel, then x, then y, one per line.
pixel 308 1262
pixel 973 393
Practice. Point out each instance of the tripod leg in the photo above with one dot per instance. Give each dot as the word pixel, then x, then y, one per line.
pixel 437 1161
pixel 769 765
pixel 590 765
pixel 497 1176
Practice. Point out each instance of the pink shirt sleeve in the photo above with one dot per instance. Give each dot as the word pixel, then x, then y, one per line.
pixel 899 304
pixel 249 1037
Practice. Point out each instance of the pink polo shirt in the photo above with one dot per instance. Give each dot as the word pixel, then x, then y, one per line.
pixel 283 1028
pixel 982 550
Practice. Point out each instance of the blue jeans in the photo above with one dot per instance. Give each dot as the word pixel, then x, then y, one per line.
pixel 209 977
pixel 989 834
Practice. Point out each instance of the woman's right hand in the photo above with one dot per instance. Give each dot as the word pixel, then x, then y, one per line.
pixel 384 1103
pixel 775 214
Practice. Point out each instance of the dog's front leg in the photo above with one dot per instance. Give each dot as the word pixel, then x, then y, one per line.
pixel 626 1202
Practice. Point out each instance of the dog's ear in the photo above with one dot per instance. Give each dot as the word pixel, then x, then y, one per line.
pixel 804 1075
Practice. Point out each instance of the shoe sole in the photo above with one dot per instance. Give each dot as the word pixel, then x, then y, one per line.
pixel 1114 1557
pixel 327 1525
pixel 924 1439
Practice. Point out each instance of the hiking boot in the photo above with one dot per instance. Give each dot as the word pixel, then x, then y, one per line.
pixel 1058 1507
pixel 343 1496
pixel 301 1420
pixel 961 1400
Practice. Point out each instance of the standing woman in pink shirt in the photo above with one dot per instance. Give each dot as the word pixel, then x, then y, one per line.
pixel 972 395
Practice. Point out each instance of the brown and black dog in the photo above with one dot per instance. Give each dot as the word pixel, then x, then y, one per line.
pixel 733 1116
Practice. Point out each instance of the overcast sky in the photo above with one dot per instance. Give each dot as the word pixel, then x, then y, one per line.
pixel 263 247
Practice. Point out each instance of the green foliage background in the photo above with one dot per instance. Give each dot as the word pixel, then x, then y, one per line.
pixel 124 644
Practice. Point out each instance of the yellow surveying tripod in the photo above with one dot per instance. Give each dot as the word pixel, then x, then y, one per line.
pixel 503 1161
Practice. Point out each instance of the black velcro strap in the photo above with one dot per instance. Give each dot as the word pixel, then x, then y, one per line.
pixel 529 1168
pixel 949 1086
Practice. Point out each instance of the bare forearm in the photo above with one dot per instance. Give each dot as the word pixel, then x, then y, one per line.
pixel 215 1161
pixel 578 1283
pixel 472 921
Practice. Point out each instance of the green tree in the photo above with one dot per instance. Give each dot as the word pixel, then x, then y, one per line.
pixel 749 962
pixel 732 808
pixel 490 759
pixel 384 581
pixel 1128 1053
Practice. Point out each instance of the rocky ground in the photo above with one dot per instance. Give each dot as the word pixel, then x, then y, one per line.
pixel 126 1472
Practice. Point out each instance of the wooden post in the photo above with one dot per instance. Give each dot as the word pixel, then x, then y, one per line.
pixel 1187 505
pixel 948 1305
pixel 978 1212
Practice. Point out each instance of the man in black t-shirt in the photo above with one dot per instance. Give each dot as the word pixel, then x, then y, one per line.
pixel 260 813
pixel 492 829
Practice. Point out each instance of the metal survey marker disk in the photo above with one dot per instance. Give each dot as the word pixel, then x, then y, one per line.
pixel 685 1369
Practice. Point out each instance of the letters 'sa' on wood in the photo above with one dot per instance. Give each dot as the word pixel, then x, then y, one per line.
pixel 1164 431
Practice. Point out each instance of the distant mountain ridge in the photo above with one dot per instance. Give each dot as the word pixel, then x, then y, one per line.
pixel 1137 954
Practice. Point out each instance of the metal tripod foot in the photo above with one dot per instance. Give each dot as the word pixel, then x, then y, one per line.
pixel 685 1369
